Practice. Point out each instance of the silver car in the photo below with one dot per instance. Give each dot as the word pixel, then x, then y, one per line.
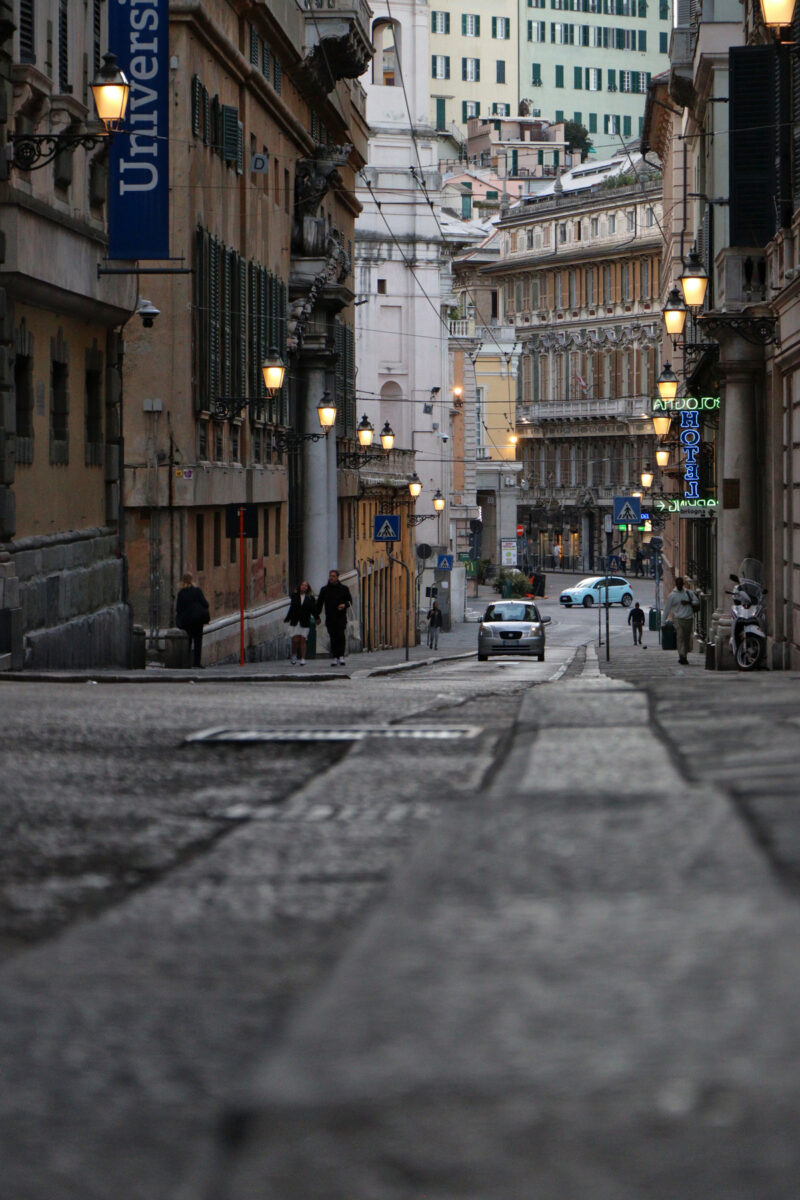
pixel 512 627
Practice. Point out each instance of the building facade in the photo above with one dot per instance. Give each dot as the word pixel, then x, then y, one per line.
pixel 267 129
pixel 580 271
pixel 63 587
pixel 473 61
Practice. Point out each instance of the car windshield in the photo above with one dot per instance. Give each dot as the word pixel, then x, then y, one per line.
pixel 587 583
pixel 511 612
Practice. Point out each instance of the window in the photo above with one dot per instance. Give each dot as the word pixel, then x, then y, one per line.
pixel 573 289
pixel 202 440
pixel 218 443
pixel 594 79
pixel 501 70
pixel 625 81
pixel 559 76
pixel 536 33
pixel 27 35
pixel 59 403
pixel 266 533
pixel 503 110
pixel 664 7
pixel 626 281
pixel 562 232
pixel 592 122
pixel 216 535
pixel 518 298
pixel 93 402
pixel 536 69
pixel 470 25
pixel 440 22
pixel 200 542
pixel 501 28
pixel 577 78
pixel 626 127
pixel 529 239
pixel 641 38
pixel 534 293
pixel 440 66
pixel 23 389
pixel 470 108
pixel 562 34
pixel 595 36
pixel 612 81
pixel 235 440
pixel 663 40
pixel 466 206
pixel 607 293
pixel 649 218
pixel 612 224
pixel 277 528
pixel 644 279
pixel 590 287
pixel 630 218
pixel 381 287
pixel 471 69
pixel 595 226
pixel 441 113
pixel 63 46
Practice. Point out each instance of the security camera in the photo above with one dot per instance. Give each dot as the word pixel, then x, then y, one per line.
pixel 148 312
pixel 445 437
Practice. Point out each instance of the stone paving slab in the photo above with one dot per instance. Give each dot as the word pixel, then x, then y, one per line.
pixel 557 1001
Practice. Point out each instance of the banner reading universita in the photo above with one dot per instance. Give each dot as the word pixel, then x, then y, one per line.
pixel 138 193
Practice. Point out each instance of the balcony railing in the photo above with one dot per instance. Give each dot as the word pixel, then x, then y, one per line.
pixel 582 410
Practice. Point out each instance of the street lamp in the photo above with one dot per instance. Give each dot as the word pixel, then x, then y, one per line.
pixel 438 501
pixel 674 313
pixel 694 281
pixel 415 485
pixel 326 411
pixel 661 425
pixel 662 458
pixel 387 436
pixel 777 12
pixel 273 371
pixel 647 477
pixel 365 431
pixel 458 395
pixel 110 89
pixel 667 383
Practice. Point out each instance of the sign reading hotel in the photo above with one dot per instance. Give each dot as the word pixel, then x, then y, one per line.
pixel 138 194
pixel 689 409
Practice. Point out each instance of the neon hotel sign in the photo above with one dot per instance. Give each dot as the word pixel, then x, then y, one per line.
pixel 690 408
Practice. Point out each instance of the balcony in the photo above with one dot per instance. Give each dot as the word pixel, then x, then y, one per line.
pixel 582 410
pixel 337 41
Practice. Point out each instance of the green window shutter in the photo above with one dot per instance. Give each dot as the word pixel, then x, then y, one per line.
pixel 477 109
pixel 463 24
pixel 592 122
pixel 447 22
pixel 463 68
pixel 577 118
pixel 213 320
pixel 642 39
pixel 441 115
pixel 477 27
pixel 612 81
pixel 536 74
pixel 206 107
pixel 240 326
pixel 636 80
pixel 265 63
pixel 196 102
pixel 433 66
pixel 577 78
pixel 447 66
pixel 239 148
pixel 200 321
pixel 494 27
pixel 230 133
pixel 225 320
pixel 559 76
pixel 530 31
pixel 433 22
pixel 477 70
pixel 464 117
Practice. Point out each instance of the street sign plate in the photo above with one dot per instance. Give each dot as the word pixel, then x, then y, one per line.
pixel 627 510
pixel 444 562
pixel 520 530
pixel 386 528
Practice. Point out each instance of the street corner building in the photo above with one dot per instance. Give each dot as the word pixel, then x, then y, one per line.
pixel 146 278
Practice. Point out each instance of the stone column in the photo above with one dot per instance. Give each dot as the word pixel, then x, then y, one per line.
pixel 316 493
pixel 742 369
pixel 333 503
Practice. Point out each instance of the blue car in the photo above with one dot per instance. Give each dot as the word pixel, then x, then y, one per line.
pixel 592 590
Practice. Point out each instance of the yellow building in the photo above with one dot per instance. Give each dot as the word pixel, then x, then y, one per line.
pixel 473 61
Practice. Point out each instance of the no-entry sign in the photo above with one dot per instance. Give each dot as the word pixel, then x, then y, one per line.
pixel 520 530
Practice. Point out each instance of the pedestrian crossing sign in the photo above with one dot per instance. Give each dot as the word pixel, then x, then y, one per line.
pixel 627 510
pixel 386 528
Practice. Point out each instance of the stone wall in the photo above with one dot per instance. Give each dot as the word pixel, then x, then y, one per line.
pixel 69 588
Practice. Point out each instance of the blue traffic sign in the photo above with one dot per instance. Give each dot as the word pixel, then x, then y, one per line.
pixel 627 510
pixel 444 562
pixel 386 528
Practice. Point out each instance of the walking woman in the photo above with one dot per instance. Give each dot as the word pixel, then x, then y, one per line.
pixel 299 618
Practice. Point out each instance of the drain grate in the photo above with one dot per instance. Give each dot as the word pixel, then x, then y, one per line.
pixel 355 734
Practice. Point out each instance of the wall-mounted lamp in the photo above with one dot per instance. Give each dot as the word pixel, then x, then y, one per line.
pixel 662 458
pixel 273 371
pixel 647 477
pixel 415 485
pixel 661 425
pixel 777 12
pixel 110 89
pixel 365 432
pixel 674 313
pixel 667 383
pixel 694 281
pixel 438 501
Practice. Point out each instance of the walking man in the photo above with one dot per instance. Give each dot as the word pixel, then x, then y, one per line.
pixel 191 614
pixel 636 621
pixel 680 608
pixel 335 599
pixel 638 562
pixel 434 625
pixel 623 562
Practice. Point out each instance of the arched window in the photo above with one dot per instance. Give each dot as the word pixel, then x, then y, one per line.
pixel 392 407
pixel 386 40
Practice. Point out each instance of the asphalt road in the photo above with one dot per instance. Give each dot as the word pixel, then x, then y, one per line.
pixel 554 943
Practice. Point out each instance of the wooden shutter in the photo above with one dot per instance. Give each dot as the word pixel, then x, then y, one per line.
pixel 63 46
pixel 200 320
pixel 254 47
pixel 753 144
pixel 447 22
pixel 477 26
pixel 196 102
pixel 226 306
pixel 230 133
pixel 213 320
pixel 463 24
pixel 494 27
pixel 265 62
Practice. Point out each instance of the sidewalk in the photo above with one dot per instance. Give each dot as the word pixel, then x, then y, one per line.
pixel 460 642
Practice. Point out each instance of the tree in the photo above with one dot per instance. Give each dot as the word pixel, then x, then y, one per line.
pixel 577 137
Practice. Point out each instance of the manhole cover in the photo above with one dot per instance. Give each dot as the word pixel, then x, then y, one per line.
pixel 359 734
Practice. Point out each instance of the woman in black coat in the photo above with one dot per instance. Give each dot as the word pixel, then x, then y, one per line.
pixel 191 614
pixel 299 618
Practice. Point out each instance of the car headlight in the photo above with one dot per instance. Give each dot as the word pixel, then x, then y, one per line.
pixel 537 627
pixel 485 629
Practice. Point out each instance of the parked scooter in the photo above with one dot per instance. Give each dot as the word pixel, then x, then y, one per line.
pixel 749 623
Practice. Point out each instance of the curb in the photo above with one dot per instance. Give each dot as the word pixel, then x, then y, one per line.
pixel 421 662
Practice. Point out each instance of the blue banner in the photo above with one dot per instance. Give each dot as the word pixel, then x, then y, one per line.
pixel 138 193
